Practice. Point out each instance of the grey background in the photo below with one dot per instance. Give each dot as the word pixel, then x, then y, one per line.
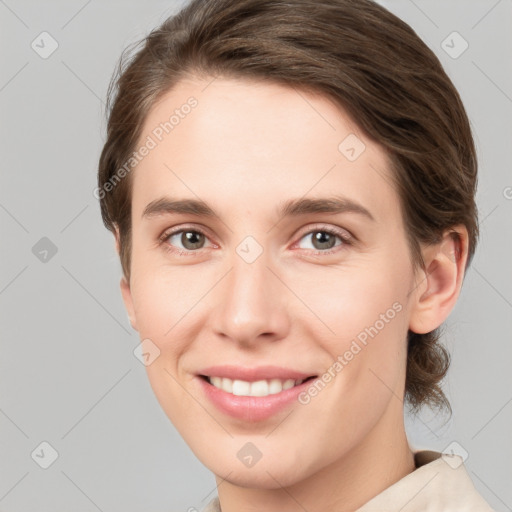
pixel 68 375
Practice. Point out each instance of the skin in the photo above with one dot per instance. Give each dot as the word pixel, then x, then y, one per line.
pixel 246 147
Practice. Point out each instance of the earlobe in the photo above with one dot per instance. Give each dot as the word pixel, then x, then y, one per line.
pixel 440 283
pixel 128 302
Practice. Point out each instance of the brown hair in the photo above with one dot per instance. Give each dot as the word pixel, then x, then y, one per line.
pixel 372 64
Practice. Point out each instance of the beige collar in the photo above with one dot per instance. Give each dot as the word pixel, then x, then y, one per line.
pixel 440 482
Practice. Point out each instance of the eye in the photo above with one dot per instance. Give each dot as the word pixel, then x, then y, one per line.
pixel 324 239
pixel 184 240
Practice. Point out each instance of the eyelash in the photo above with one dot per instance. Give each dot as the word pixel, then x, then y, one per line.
pixel 345 239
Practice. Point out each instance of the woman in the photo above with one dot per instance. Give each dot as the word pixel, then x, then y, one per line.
pixel 291 187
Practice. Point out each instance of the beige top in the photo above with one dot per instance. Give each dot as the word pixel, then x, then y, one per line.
pixel 440 482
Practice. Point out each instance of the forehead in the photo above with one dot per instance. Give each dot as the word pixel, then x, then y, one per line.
pixel 220 138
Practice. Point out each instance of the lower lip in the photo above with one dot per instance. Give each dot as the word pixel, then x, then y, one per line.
pixel 252 408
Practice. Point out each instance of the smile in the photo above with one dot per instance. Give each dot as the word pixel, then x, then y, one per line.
pixel 252 394
pixel 259 388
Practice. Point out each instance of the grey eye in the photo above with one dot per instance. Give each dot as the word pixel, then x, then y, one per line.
pixel 321 240
pixel 189 239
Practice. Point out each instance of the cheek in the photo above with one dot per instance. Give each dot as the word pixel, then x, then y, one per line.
pixel 354 302
pixel 360 321
pixel 163 298
pixel 164 306
pixel 366 360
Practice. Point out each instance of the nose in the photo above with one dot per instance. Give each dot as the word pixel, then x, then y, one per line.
pixel 250 304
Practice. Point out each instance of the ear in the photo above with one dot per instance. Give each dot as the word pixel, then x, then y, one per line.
pixel 125 288
pixel 128 302
pixel 439 283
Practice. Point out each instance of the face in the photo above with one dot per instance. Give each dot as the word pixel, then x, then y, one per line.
pixel 295 267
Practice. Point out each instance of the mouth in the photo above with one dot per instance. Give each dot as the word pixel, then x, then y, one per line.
pixel 253 394
pixel 258 388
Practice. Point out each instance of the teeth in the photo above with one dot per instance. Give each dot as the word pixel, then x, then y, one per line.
pixel 257 388
pixel 275 386
pixel 227 385
pixel 216 381
pixel 241 388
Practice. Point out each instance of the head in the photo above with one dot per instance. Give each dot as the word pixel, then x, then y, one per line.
pixel 247 106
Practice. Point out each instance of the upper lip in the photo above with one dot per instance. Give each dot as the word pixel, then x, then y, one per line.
pixel 253 374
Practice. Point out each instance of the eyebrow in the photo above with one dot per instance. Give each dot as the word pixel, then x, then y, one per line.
pixel 290 208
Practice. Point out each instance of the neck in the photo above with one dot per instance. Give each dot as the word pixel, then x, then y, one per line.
pixel 383 458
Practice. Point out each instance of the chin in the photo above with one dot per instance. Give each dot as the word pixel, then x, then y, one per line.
pixel 258 477
pixel 278 465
